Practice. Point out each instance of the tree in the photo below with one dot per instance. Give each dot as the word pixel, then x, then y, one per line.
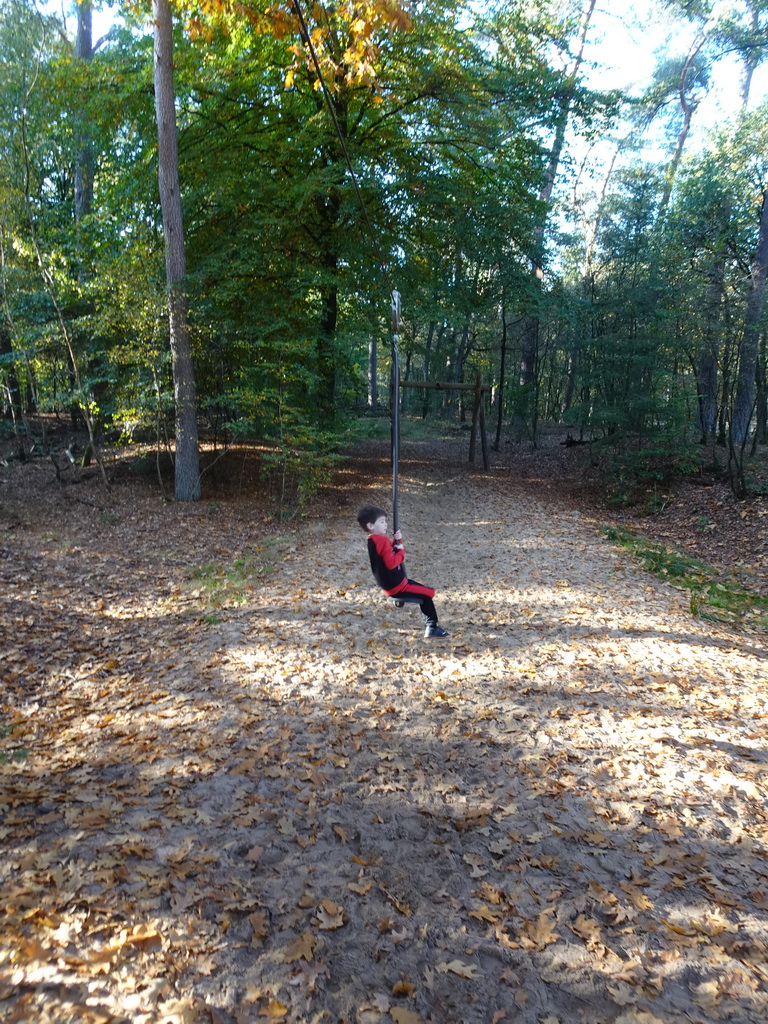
pixel 187 472
pixel 744 399
pixel 83 142
pixel 562 107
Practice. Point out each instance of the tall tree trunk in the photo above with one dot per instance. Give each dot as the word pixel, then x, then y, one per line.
pixel 688 107
pixel 329 210
pixel 10 380
pixel 326 344
pixel 706 370
pixel 187 482
pixel 373 370
pixel 750 57
pixel 761 404
pixel 427 362
pixel 7 337
pixel 743 403
pixel 502 371
pixel 669 179
pixel 529 343
pixel 83 139
pixel 373 366
pixel 570 382
pixel 83 165
pixel 455 397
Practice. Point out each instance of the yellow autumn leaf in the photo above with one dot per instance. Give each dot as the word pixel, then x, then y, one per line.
pixel 459 968
pixel 404 988
pixel 679 929
pixel 586 928
pixel 302 948
pixel 330 916
pixel 258 921
pixel 542 931
pixel 142 935
pixel 274 1010
pixel 361 888
pixel 634 1016
pixel 401 1015
pixel 486 914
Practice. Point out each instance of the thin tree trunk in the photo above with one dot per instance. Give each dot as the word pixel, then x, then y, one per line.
pixel 761 405
pixel 529 343
pixel 373 369
pixel 326 345
pixel 8 336
pixel 750 58
pixel 688 112
pixel 187 482
pixel 744 399
pixel 688 108
pixel 455 398
pixel 83 141
pixel 502 372
pixel 427 361
pixel 706 370
pixel 325 362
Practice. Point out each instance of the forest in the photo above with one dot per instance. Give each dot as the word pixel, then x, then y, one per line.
pixel 204 212
pixel 240 784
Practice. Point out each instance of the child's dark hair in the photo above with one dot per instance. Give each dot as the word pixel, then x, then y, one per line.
pixel 369 514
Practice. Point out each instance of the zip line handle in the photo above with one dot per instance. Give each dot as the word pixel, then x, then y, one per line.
pixel 395 313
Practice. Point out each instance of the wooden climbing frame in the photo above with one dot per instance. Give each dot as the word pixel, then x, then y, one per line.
pixel 478 411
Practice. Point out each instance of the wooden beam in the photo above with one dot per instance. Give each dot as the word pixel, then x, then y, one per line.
pixel 436 386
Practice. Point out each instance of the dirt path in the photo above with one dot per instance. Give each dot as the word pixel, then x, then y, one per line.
pixel 299 810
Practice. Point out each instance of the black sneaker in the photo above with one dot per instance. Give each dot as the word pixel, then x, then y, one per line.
pixel 435 631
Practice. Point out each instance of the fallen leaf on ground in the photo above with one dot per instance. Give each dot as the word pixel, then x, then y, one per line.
pixel 330 916
pixel 304 947
pixel 401 1015
pixel 460 968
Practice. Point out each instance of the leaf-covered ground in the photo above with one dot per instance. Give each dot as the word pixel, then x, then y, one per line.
pixel 238 785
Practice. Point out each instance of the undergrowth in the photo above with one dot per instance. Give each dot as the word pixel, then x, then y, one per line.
pixel 712 595
pixel 9 751
pixel 216 587
pixel 412 428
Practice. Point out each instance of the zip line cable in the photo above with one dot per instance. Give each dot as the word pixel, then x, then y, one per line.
pixel 395 406
pixel 394 294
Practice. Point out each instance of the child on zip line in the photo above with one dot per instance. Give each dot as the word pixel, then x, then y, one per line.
pixel 387 557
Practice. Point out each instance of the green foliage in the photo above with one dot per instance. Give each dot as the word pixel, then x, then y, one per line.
pixel 214 588
pixel 713 595
pixel 412 428
pixel 286 288
pixel 635 471
pixel 299 465
pixel 8 750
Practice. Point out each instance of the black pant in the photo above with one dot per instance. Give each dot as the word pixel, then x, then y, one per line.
pixel 423 592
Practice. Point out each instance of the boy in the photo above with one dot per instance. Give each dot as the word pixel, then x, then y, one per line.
pixel 387 557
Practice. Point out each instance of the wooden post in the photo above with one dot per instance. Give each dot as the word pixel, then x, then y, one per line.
pixel 483 438
pixel 478 414
pixel 475 415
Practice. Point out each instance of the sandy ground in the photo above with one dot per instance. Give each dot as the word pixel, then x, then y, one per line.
pixel 297 809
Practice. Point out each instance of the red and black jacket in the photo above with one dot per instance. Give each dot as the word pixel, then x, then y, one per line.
pixel 386 563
